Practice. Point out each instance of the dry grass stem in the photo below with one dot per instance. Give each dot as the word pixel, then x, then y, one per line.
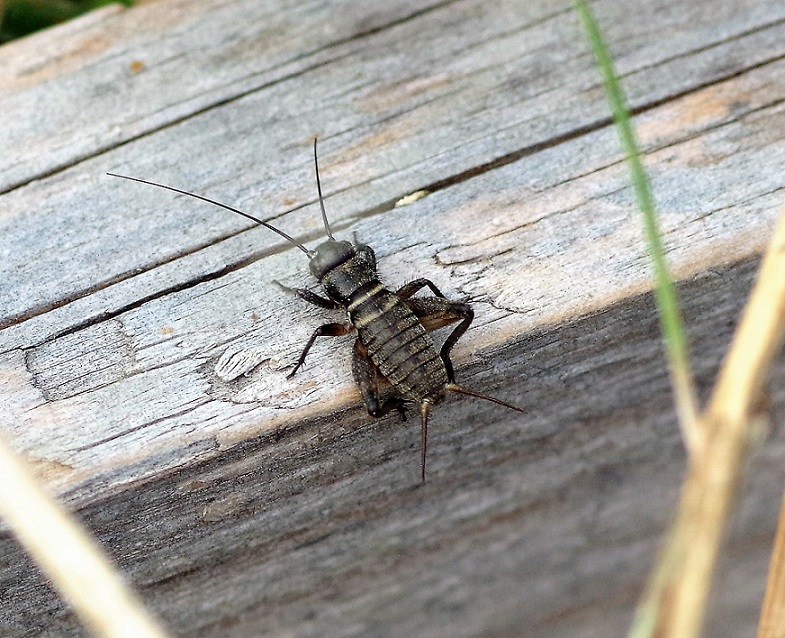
pixel 69 556
pixel 772 617
pixel 675 601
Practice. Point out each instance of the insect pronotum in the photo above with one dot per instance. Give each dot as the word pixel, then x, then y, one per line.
pixel 392 328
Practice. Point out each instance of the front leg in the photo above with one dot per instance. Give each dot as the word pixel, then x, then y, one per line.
pixel 327 330
pixel 310 297
pixel 367 376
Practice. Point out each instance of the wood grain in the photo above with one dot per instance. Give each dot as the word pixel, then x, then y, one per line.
pixel 271 506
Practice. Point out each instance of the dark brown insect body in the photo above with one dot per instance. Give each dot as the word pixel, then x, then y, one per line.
pixel 391 337
pixel 392 343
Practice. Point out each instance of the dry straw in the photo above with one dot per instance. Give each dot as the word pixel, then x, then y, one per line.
pixel 69 556
pixel 718 440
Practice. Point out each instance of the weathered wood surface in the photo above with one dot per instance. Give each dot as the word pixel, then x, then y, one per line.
pixel 276 507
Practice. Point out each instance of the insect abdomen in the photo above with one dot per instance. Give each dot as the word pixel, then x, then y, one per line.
pixel 398 344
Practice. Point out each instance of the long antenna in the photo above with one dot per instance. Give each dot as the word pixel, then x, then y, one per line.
pixel 220 205
pixel 319 188
pixel 425 409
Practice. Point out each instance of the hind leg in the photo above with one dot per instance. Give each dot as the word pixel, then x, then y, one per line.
pixel 367 377
pixel 436 312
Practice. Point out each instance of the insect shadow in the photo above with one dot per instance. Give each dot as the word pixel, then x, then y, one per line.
pixel 393 343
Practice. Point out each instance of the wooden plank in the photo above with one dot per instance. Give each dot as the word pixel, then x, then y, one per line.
pixel 446 111
pixel 118 60
pixel 160 354
pixel 321 527
pixel 267 505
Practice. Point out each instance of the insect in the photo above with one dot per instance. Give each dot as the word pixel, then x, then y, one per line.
pixel 393 342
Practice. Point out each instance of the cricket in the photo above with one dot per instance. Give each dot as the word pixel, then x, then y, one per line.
pixel 393 347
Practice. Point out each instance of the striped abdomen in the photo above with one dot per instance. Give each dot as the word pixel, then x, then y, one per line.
pixel 397 343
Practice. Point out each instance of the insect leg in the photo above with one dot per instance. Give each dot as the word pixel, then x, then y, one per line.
pixel 436 313
pixel 466 315
pixel 407 290
pixel 310 297
pixel 326 330
pixel 367 376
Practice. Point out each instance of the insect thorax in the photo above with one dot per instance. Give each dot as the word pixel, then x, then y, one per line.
pixel 345 278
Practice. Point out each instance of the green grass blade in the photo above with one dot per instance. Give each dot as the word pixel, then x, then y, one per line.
pixel 671 322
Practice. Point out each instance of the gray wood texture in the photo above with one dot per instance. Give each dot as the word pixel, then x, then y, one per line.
pixel 267 506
